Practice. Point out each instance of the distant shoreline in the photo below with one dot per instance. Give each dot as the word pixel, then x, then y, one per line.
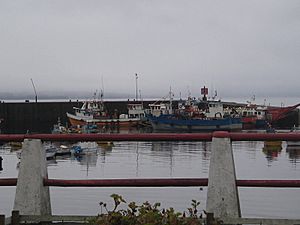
pixel 273 101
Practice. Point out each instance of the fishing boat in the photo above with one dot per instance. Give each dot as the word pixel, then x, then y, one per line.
pixel 93 112
pixel 59 129
pixel 255 116
pixel 195 115
pixel 252 116
pixel 172 122
pixel 274 114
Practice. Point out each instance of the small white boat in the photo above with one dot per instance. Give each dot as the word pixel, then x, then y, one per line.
pixel 51 152
pixel 63 150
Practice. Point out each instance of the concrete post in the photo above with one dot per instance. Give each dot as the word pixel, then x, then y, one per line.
pixel 32 197
pixel 222 194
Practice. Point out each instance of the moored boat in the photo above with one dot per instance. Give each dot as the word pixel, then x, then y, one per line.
pixel 50 152
pixel 174 123
pixel 252 116
pixel 276 113
pixel 93 112
pixel 196 115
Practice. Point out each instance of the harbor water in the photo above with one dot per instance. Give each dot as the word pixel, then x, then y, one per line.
pixel 163 160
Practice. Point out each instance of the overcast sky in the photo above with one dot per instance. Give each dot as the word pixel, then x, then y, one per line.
pixel 239 48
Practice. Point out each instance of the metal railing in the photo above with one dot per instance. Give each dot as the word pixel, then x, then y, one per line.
pixel 16 219
pixel 234 136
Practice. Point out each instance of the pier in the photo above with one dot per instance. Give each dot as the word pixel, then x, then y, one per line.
pixel 222 196
pixel 39 117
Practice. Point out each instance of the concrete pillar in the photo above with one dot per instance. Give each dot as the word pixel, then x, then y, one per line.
pixel 222 194
pixel 32 197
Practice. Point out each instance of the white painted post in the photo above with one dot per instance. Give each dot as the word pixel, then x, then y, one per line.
pixel 222 193
pixel 32 197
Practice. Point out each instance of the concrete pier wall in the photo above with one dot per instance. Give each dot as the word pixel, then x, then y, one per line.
pixel 40 117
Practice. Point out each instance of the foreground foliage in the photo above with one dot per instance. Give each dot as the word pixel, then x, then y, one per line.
pixel 145 214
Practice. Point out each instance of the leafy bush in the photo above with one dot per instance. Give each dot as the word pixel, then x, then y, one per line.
pixel 145 214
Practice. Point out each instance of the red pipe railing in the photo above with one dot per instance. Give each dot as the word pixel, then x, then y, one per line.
pixel 164 182
pixel 109 137
pixel 239 136
pixel 8 182
pixel 268 183
pixel 155 182
pixel 265 136
pixel 148 182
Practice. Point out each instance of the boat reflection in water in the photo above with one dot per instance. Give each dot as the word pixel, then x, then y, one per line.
pixel 293 153
pixel 272 149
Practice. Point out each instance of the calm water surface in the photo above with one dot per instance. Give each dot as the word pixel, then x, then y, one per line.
pixel 163 160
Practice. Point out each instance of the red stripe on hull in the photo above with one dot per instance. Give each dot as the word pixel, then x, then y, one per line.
pixel 123 124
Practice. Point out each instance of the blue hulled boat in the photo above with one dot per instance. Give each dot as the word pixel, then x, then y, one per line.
pixel 193 115
pixel 171 122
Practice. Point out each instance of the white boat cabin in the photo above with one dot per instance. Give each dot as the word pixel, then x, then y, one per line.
pixel 156 109
pixel 257 112
pixel 136 110
pixel 215 109
pixel 90 110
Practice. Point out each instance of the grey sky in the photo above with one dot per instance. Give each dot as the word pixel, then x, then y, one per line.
pixel 238 47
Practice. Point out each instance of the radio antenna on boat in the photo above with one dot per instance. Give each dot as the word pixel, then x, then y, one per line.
pixel 34 89
pixel 136 87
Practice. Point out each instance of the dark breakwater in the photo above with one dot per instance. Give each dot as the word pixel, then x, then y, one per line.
pixel 32 117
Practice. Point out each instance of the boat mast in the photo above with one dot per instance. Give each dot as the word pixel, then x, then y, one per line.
pixel 136 87
pixel 170 93
pixel 34 89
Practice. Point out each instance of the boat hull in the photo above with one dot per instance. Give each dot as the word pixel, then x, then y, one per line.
pixel 253 123
pixel 117 123
pixel 166 123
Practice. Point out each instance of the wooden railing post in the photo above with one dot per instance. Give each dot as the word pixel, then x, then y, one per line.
pixel 15 217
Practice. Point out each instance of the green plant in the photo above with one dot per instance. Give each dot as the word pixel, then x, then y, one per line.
pixel 145 214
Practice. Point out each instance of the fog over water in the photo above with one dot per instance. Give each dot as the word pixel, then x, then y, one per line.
pixel 73 48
